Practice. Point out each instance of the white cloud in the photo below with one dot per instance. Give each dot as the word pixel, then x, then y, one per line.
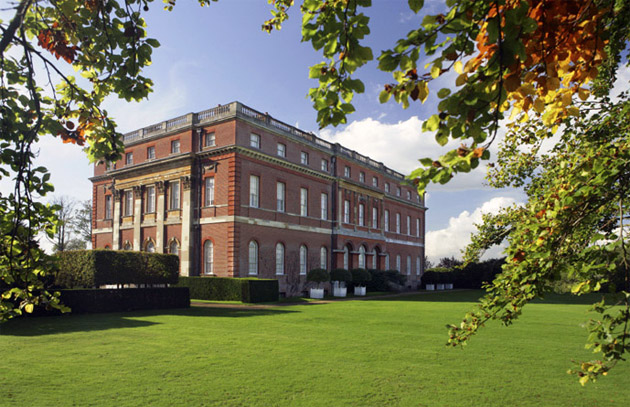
pixel 451 240
pixel 399 146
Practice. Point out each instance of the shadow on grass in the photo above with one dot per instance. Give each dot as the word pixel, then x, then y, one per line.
pixel 51 325
pixel 475 295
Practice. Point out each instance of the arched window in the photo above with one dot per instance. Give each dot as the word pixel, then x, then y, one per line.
pixel 398 262
pixel 150 247
pixel 387 261
pixel 375 260
pixel 303 256
pixel 408 265
pixel 323 258
pixel 279 258
pixel 418 265
pixel 253 258
pixel 346 257
pixel 107 247
pixel 362 257
pixel 173 248
pixel 208 257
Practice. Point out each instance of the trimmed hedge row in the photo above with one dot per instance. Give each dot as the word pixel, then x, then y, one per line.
pixel 89 301
pixel 473 275
pixel 231 289
pixel 385 280
pixel 93 268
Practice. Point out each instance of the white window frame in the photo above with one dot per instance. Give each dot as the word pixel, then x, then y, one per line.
pixel 150 199
pixel 398 191
pixel 175 146
pixel 303 260
pixel 409 225
pixel 409 195
pixel 324 206
pixel 281 150
pixel 398 262
pixel 324 166
pixel 210 140
pixel 361 214
pixel 175 245
pixel 362 257
pixel 303 202
pixel 208 257
pixel 151 153
pixel 387 187
pixel 279 259
pixel 254 140
pixel 374 217
pixel 323 257
pixel 129 203
pixel 417 227
pixel 346 172
pixel 174 195
pixel 418 265
pixel 252 258
pixel 108 206
pixel 362 177
pixel 397 222
pixel 303 158
pixel 346 211
pixel 387 261
pixel 281 189
pixel 209 191
pixel 254 191
pixel 375 182
pixel 129 158
pixel 386 221
pixel 346 257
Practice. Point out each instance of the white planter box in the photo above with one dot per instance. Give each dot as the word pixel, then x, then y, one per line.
pixel 449 286
pixel 359 291
pixel 339 289
pixel 440 286
pixel 430 287
pixel 317 293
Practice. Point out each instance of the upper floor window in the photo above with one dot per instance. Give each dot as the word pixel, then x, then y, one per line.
pixel 398 223
pixel 282 150
pixel 398 191
pixel 128 158
pixel 324 165
pixel 418 227
pixel 209 140
pixel 346 211
pixel 408 225
pixel 128 203
pixel 280 196
pixel 375 182
pixel 174 192
pixel 254 191
pixel 109 165
pixel 386 220
pixel 209 191
pixel 362 257
pixel 387 187
pixel 254 140
pixel 362 177
pixel 108 206
pixel 361 216
pixel 151 153
pixel 408 265
pixel 303 259
pixel 409 195
pixel 324 206
pixel 150 206
pixel 374 217
pixel 303 202
pixel 346 171
pixel 175 147
pixel 304 158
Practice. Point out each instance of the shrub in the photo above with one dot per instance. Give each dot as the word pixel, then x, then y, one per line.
pixel 93 268
pixel 385 280
pixel 395 277
pixel 89 301
pixel 231 289
pixel 360 277
pixel 318 276
pixel 474 275
pixel 341 275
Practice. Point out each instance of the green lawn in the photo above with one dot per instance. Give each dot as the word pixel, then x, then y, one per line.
pixel 382 352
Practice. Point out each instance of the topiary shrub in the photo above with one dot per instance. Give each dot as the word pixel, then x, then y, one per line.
pixel 318 276
pixel 341 275
pixel 360 277
pixel 94 268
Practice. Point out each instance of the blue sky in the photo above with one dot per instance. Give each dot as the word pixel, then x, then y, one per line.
pixel 219 54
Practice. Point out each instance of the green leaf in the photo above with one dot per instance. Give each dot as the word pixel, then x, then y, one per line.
pixel 416 5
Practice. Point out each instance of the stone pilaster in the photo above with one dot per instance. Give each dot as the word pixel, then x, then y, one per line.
pixel 159 218
pixel 137 217
pixel 116 220
pixel 184 255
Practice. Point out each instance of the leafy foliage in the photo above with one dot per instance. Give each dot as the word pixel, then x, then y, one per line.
pixel 231 289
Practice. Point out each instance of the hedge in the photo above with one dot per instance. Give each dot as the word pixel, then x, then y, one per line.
pixel 360 277
pixel 473 275
pixel 88 301
pixel 385 280
pixel 341 275
pixel 94 268
pixel 231 289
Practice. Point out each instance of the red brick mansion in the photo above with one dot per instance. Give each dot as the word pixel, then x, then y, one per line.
pixel 236 193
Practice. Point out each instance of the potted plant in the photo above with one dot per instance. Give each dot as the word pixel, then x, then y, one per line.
pixel 317 276
pixel 428 279
pixel 359 278
pixel 340 277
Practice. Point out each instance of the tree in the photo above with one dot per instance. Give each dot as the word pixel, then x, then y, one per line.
pixel 82 222
pixel 542 68
pixel 64 210
pixel 449 262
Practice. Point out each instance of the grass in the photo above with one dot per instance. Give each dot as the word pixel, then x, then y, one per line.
pixel 382 352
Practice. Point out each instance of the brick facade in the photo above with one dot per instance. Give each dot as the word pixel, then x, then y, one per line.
pixel 207 187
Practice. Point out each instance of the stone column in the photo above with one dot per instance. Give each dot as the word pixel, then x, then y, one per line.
pixel 159 218
pixel 137 217
pixel 184 254
pixel 116 220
